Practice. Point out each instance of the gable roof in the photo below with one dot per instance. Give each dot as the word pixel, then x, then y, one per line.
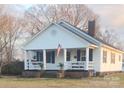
pixel 77 32
pixel 38 33
pixel 64 27
pixel 80 32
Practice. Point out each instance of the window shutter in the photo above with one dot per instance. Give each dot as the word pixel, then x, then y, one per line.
pixel 53 56
pixel 90 54
pixel 78 55
pixel 68 58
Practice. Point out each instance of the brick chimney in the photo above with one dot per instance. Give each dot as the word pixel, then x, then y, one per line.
pixel 91 28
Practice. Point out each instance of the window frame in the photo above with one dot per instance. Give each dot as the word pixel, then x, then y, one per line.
pixel 83 55
pixel 50 56
pixel 113 58
pixel 68 56
pixel 104 56
pixel 90 54
pixel 39 55
pixel 119 58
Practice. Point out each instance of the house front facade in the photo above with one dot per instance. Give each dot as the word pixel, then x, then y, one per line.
pixel 63 43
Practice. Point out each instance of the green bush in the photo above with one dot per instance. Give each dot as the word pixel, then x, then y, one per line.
pixel 14 68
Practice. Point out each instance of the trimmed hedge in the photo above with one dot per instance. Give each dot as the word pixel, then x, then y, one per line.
pixel 14 68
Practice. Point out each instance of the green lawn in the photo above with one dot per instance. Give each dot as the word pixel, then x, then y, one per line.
pixel 114 80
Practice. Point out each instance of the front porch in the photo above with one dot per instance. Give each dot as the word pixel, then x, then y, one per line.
pixel 72 59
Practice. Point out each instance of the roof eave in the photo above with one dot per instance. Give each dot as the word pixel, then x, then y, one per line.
pixel 118 50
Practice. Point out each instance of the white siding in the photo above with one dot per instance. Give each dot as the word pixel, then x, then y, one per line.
pixel 108 66
pixel 97 58
pixel 54 35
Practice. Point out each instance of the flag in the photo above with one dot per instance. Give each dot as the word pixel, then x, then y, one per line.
pixel 58 49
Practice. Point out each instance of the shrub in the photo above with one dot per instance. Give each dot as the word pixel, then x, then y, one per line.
pixel 14 68
pixel 61 65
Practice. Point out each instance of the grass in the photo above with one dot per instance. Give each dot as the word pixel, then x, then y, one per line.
pixel 114 80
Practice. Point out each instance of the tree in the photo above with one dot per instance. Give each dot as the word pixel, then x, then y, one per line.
pixel 13 34
pixel 38 16
pixel 9 32
pixel 111 37
pixel 3 38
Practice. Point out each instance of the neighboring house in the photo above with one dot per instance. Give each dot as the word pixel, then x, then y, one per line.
pixel 78 50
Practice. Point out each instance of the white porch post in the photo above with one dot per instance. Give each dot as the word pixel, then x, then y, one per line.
pixel 87 58
pixel 44 59
pixel 29 54
pixel 25 60
pixel 65 53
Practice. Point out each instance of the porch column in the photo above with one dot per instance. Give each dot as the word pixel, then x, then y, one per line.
pixel 29 54
pixel 25 60
pixel 65 53
pixel 44 59
pixel 87 58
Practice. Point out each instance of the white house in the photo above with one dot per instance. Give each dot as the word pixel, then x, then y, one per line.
pixel 79 50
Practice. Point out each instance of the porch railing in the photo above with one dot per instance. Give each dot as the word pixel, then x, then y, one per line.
pixel 80 65
pixel 33 65
pixel 90 65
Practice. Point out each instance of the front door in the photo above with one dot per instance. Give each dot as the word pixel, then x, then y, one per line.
pixel 50 56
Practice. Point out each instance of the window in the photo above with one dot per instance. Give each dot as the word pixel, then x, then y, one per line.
pixel 90 54
pixel 104 56
pixel 68 58
pixel 113 58
pixel 119 58
pixel 38 56
pixel 83 56
pixel 50 56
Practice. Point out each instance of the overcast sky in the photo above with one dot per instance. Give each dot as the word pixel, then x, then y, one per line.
pixel 111 16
